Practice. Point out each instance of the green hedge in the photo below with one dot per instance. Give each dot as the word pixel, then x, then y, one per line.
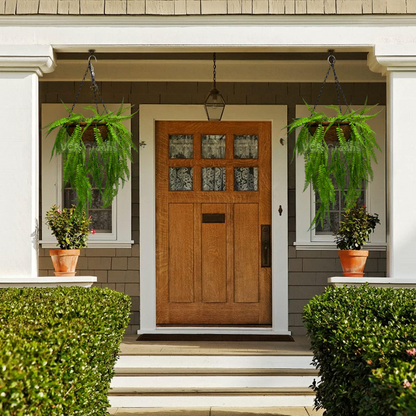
pixel 363 339
pixel 58 347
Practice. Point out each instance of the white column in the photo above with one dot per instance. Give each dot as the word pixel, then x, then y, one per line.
pixel 398 64
pixel 20 68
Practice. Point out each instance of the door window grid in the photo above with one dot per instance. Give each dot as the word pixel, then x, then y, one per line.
pixel 213 146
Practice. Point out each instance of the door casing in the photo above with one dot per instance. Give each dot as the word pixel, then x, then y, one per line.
pixel 277 115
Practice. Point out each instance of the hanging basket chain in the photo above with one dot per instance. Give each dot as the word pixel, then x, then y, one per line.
pixel 79 90
pixel 331 61
pixel 215 70
pixel 338 85
pixel 96 89
pixel 322 88
pixel 90 69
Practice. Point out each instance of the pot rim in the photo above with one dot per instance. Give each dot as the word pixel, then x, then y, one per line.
pixel 354 253
pixel 65 252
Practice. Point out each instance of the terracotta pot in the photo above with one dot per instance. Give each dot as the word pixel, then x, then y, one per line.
pixel 331 135
pixel 353 262
pixel 64 261
pixel 88 136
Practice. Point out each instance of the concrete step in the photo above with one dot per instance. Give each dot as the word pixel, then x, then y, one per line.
pixel 277 391
pixel 216 411
pixel 135 371
pixel 194 381
pixel 214 361
pixel 208 400
pixel 207 381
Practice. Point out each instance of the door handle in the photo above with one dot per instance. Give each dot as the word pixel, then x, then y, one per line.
pixel 266 249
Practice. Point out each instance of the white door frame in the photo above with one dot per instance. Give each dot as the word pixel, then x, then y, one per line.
pixel 149 114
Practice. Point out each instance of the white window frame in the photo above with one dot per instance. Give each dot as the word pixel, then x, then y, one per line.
pixel 151 113
pixel 375 196
pixel 52 191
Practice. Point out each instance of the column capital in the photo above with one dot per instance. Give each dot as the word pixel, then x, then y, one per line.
pixel 392 58
pixel 27 58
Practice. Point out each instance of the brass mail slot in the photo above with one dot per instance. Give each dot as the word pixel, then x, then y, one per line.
pixel 213 218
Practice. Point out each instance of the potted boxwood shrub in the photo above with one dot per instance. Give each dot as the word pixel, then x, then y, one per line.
pixel 71 229
pixel 95 152
pixel 353 232
pixel 338 153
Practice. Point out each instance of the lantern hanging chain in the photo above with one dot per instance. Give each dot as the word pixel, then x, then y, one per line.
pixel 215 70
pixel 90 68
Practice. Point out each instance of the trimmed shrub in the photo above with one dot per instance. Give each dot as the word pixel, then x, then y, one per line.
pixel 58 348
pixel 360 338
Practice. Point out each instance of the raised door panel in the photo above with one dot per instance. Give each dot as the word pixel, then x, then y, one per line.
pixel 214 253
pixel 181 250
pixel 246 253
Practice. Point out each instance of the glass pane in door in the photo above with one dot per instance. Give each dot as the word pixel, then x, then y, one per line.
pixel 246 179
pixel 213 179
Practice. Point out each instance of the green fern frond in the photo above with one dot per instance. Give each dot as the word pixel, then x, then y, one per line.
pixel 105 165
pixel 346 167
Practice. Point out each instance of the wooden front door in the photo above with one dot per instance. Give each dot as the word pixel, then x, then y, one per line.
pixel 213 217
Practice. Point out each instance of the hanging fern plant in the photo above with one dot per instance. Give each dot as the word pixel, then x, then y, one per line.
pixel 345 166
pixel 102 164
pixel 95 150
pixel 338 151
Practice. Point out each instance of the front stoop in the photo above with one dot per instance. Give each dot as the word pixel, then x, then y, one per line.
pixel 215 411
pixel 227 376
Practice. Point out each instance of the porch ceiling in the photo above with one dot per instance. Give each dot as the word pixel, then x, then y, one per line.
pixel 231 67
pixel 221 56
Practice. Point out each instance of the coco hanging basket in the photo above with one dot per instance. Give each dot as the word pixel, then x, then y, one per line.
pixel 331 137
pixel 88 136
pixel 331 134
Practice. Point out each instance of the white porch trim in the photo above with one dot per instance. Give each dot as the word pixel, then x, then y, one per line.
pixel 392 282
pixel 278 116
pixel 20 68
pixel 188 33
pixel 48 281
pixel 399 65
